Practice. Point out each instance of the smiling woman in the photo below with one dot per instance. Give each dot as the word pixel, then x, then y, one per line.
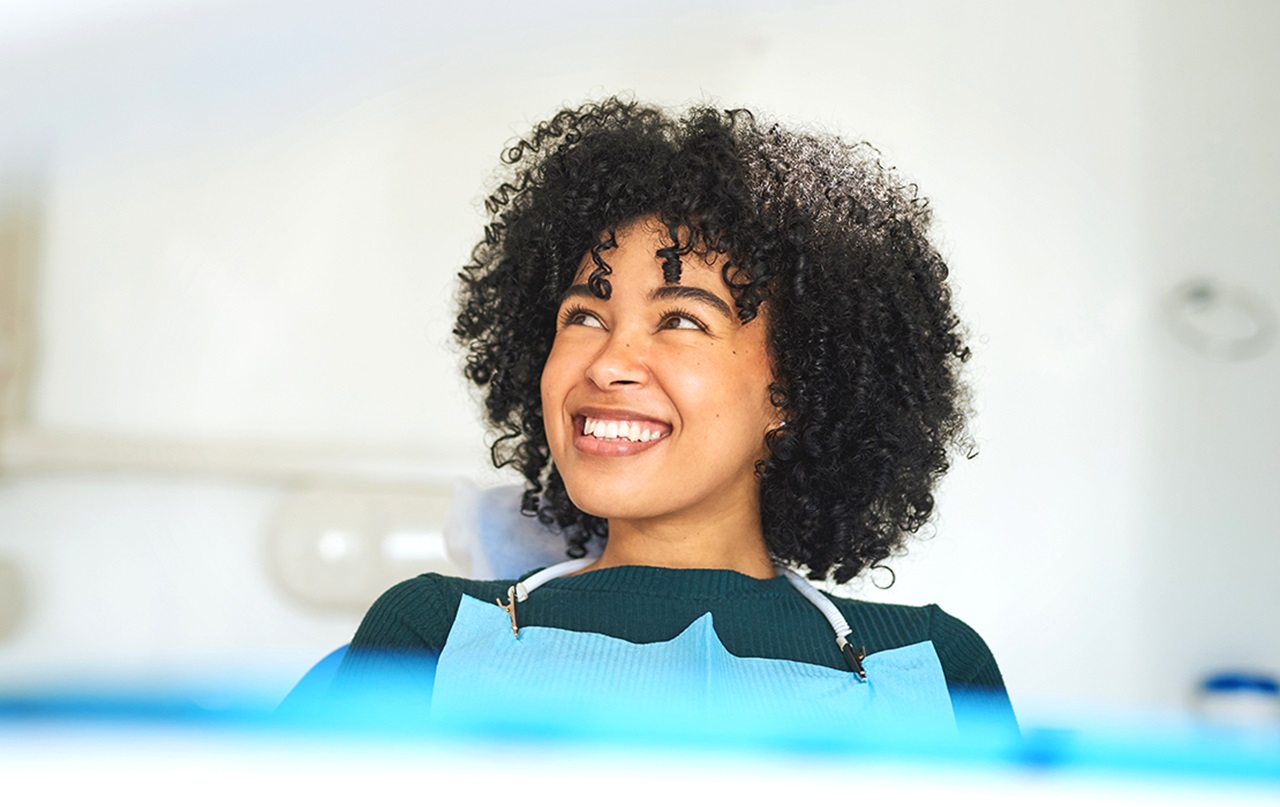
pixel 728 352
pixel 693 379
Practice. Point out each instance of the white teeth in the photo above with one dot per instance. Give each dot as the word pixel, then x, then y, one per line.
pixel 618 430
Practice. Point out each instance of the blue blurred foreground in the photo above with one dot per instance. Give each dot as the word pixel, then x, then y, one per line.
pixel 1147 753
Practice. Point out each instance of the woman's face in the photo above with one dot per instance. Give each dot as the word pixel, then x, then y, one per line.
pixel 656 401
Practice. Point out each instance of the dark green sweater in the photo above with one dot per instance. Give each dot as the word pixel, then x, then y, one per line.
pixel 641 604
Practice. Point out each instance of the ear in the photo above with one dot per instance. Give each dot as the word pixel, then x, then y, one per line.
pixel 780 401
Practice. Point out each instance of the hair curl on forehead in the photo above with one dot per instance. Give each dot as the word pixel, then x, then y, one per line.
pixel 866 347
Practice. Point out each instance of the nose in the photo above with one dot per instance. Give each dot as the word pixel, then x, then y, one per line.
pixel 620 362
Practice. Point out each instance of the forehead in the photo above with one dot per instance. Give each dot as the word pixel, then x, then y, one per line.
pixel 648 244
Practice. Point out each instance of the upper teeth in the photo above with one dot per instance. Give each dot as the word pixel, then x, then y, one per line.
pixel 619 430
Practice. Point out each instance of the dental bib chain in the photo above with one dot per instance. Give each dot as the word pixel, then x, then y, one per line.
pixel 520 592
pixel 834 618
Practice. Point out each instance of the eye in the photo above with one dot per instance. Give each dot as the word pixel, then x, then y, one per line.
pixel 577 315
pixel 680 321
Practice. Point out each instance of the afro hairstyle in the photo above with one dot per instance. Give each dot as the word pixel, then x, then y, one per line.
pixel 866 346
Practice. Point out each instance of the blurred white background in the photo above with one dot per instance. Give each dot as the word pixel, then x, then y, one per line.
pixel 228 232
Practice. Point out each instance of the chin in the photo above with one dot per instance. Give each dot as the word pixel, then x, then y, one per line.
pixel 609 503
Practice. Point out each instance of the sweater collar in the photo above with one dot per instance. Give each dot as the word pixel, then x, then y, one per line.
pixel 672 582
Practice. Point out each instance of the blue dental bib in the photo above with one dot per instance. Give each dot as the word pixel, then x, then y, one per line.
pixel 552 678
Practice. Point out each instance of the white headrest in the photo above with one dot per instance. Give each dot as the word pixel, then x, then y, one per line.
pixel 487 536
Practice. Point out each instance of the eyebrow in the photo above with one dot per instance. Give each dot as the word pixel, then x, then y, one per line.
pixel 665 293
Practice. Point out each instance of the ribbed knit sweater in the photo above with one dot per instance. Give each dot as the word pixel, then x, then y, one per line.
pixel 641 604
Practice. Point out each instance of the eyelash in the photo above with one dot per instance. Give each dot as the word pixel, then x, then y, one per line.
pixel 675 313
pixel 573 315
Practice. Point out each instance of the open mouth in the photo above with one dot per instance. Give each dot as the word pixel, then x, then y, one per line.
pixel 619 430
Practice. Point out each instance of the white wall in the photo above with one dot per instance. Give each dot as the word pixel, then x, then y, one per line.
pixel 251 221
pixel 1212 449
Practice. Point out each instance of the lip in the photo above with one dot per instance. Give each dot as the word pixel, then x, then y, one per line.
pixel 592 445
pixel 609 413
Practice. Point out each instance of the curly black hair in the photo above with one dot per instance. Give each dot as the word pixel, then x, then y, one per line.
pixel 866 346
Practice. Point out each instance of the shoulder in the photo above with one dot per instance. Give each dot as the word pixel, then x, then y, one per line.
pixel 977 689
pixel 418 613
pixel 965 657
pixel 396 647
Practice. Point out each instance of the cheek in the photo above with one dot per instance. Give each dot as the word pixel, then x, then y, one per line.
pixel 734 391
pixel 753 376
pixel 564 369
pixel 749 370
pixel 552 385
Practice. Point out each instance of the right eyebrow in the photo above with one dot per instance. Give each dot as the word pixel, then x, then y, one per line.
pixel 578 290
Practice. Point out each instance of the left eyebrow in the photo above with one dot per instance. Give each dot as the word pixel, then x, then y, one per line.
pixel 692 293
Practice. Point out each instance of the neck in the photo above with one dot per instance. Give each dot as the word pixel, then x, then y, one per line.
pixel 737 548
